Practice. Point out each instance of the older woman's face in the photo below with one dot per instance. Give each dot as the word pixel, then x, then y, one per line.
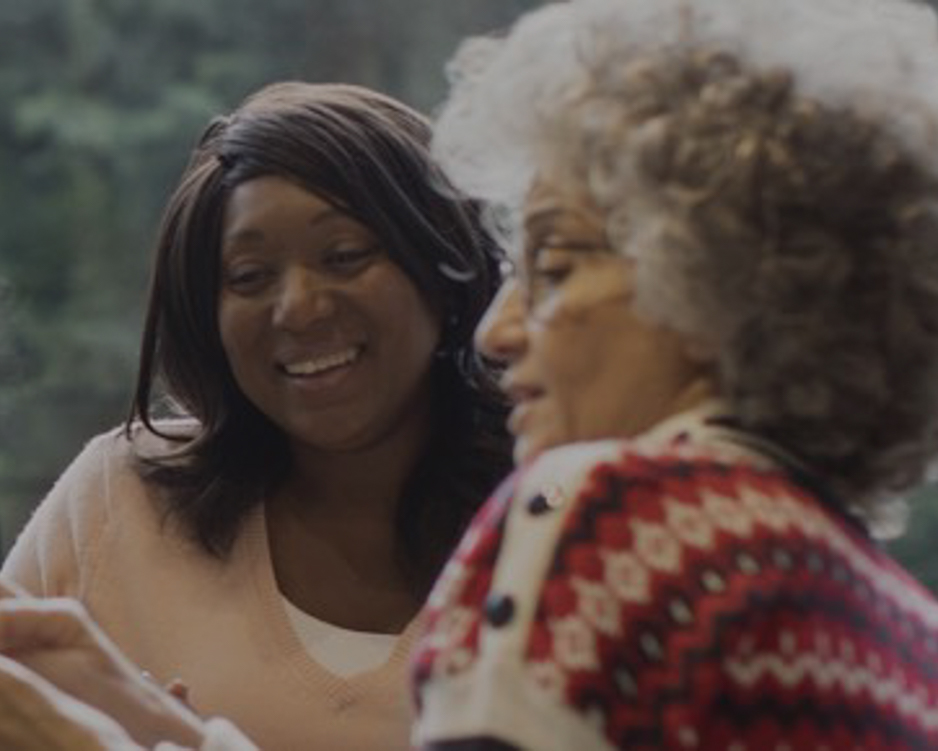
pixel 581 363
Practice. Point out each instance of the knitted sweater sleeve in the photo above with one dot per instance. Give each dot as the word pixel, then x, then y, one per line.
pixel 55 553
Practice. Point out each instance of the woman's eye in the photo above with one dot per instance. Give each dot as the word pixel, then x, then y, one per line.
pixel 349 259
pixel 247 278
pixel 552 265
pixel 553 271
pixel 553 261
pixel 547 273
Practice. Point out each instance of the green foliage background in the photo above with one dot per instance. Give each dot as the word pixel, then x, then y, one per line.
pixel 101 102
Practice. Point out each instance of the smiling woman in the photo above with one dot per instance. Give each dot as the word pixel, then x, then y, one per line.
pixel 352 362
pixel 330 430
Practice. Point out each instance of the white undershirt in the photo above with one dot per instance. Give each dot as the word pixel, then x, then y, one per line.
pixel 340 650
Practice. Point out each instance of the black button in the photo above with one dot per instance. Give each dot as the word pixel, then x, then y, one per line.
pixel 539 505
pixel 499 609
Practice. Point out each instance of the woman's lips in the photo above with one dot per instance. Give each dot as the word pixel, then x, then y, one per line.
pixel 312 366
pixel 328 372
pixel 525 398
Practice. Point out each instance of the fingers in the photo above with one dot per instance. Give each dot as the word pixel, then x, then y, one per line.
pixel 175 687
pixel 35 716
pixel 21 690
pixel 58 639
pixel 28 624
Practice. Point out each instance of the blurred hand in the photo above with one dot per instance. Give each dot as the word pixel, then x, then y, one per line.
pixel 56 639
pixel 35 716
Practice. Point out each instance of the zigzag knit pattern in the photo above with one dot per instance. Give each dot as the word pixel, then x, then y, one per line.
pixel 687 603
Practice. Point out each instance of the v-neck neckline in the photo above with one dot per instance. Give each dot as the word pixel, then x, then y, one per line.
pixel 285 644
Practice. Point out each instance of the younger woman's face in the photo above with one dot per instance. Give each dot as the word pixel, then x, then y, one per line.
pixel 327 336
pixel 582 364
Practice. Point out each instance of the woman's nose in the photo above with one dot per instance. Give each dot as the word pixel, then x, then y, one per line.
pixel 304 298
pixel 501 334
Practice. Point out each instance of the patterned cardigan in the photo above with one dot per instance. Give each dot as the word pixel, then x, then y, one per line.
pixel 683 591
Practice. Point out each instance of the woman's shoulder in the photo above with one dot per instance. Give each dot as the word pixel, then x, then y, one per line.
pixel 97 498
pixel 731 490
pixel 162 437
pixel 577 465
pixel 109 474
pixel 118 448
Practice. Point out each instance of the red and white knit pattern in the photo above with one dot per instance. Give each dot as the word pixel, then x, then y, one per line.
pixel 676 593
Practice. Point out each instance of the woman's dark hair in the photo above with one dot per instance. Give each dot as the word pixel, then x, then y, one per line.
pixel 368 155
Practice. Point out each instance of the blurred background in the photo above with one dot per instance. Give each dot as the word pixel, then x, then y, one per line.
pixel 101 102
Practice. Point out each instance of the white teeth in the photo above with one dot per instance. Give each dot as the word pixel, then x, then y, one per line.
pixel 319 364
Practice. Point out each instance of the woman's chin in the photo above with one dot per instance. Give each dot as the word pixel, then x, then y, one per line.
pixel 523 452
pixel 528 448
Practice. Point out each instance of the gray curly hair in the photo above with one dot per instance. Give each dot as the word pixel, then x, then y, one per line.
pixel 771 167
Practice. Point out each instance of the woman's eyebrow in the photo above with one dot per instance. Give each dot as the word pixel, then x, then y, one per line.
pixel 322 219
pixel 572 239
pixel 542 221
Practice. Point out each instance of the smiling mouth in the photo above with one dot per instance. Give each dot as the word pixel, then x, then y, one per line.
pixel 519 393
pixel 525 399
pixel 317 365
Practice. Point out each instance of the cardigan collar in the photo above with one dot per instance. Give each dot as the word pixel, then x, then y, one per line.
pixel 712 426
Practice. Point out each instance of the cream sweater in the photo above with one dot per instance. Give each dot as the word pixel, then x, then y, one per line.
pixel 101 536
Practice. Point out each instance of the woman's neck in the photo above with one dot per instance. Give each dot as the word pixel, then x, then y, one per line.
pixel 365 481
pixel 333 534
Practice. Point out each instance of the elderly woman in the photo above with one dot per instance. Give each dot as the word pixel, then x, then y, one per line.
pixel 727 225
